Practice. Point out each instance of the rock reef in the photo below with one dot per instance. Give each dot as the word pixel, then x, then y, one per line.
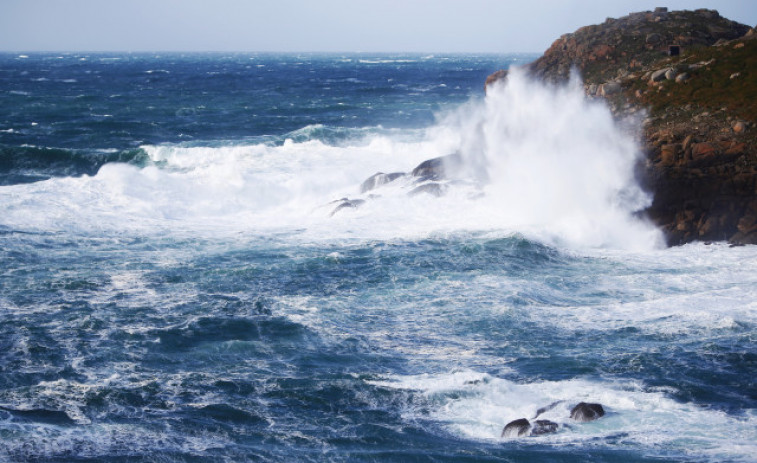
pixel 692 76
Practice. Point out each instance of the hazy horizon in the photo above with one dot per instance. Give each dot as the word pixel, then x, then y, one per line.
pixel 328 26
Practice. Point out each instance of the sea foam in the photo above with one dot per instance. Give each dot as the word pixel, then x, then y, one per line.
pixel 477 406
pixel 559 168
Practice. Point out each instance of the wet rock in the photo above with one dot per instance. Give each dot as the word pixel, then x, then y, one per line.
pixel 542 427
pixel 522 427
pixel 433 189
pixel 438 168
pixel 378 179
pixel 584 412
pixel 516 428
pixel 345 203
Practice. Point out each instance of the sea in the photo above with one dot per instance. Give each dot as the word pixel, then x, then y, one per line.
pixel 190 270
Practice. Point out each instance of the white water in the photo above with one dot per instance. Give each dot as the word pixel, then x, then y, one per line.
pixel 477 406
pixel 560 169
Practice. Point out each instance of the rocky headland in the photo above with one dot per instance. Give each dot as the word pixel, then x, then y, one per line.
pixel 692 76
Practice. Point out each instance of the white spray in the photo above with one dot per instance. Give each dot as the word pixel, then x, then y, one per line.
pixel 559 169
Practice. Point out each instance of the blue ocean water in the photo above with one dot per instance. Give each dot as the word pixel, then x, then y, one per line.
pixel 176 285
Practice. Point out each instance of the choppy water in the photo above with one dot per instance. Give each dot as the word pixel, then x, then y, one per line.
pixel 173 286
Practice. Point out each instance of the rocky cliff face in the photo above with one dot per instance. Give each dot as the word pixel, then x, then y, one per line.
pixel 693 75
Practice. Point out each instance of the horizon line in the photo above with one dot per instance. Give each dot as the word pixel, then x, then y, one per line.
pixel 267 52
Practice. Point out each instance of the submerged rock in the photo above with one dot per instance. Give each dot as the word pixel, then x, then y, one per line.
pixel 433 189
pixel 584 412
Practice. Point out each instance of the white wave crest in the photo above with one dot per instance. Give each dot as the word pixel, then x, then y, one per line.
pixel 560 170
pixel 477 406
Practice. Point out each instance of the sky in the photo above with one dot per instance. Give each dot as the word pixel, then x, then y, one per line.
pixel 451 26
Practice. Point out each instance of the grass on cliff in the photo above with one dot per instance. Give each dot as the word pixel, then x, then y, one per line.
pixel 711 88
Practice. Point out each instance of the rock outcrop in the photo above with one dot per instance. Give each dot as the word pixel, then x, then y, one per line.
pixel 584 412
pixel 693 75
pixel 632 42
pixel 430 177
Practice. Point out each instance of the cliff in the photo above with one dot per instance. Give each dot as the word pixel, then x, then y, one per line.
pixel 693 75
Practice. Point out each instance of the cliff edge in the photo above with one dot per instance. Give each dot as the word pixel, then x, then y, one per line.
pixel 693 76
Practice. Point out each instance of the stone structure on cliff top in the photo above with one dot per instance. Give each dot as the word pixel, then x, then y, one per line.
pixel 700 132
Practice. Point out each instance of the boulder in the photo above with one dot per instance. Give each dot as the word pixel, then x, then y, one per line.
pixel 659 75
pixel 378 179
pixel 516 428
pixel 610 88
pixel 438 168
pixel 522 427
pixel 584 412
pixel 543 427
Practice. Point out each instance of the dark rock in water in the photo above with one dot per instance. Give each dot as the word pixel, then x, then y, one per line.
pixel 438 168
pixel 378 179
pixel 516 428
pixel 347 203
pixel 434 189
pixel 543 427
pixel 584 412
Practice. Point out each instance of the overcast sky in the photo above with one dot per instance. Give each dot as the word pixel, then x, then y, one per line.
pixel 318 25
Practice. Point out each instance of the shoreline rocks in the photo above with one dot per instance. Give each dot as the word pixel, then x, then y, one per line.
pixel 582 412
pixel 692 74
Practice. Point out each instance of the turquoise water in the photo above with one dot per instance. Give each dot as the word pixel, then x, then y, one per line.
pixel 174 287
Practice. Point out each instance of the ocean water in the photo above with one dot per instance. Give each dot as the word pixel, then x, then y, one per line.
pixel 178 282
